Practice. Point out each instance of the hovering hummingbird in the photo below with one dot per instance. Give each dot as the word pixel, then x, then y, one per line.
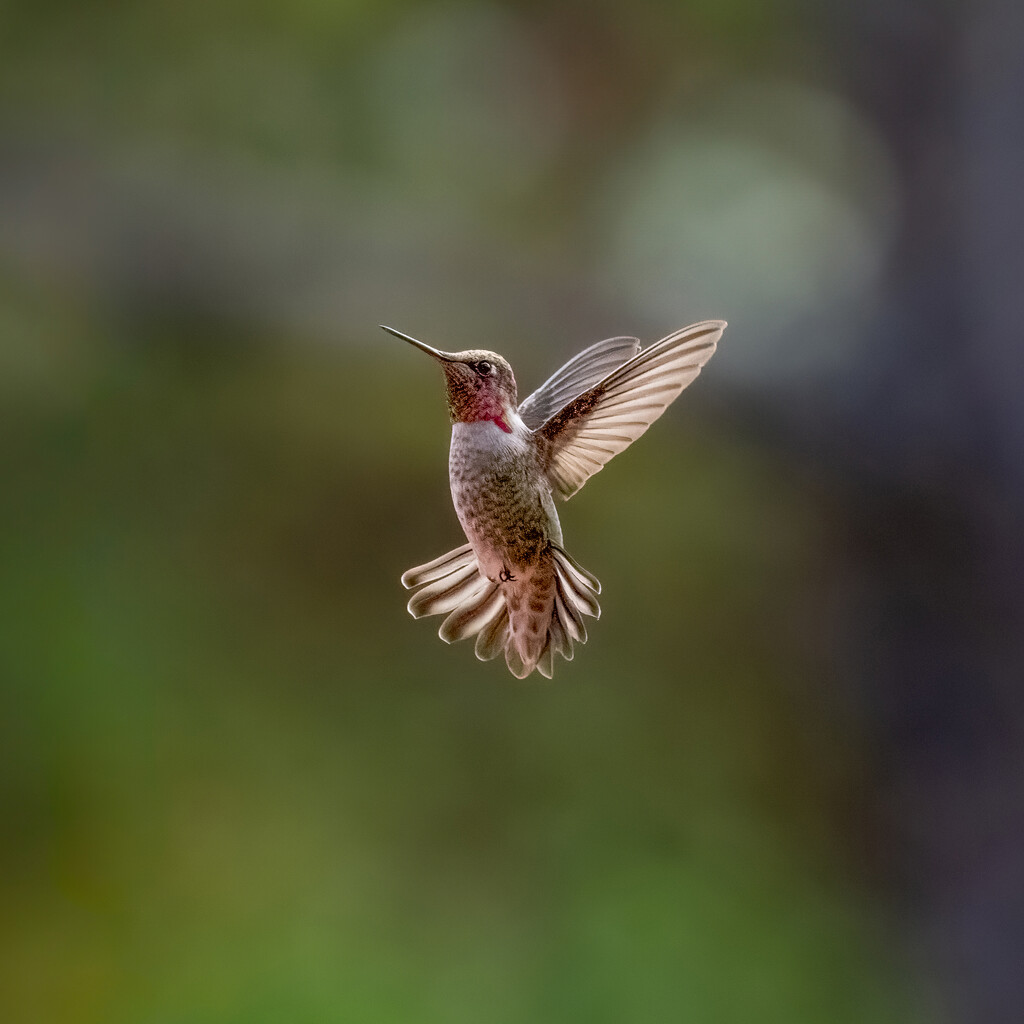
pixel 513 585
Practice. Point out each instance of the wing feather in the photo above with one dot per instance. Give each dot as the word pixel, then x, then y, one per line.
pixel 580 373
pixel 594 426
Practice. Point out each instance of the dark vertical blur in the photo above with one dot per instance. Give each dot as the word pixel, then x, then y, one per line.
pixel 933 600
pixel 785 778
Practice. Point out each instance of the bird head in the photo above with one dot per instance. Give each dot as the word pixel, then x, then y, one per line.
pixel 480 384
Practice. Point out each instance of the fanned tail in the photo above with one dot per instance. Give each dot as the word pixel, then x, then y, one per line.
pixel 529 620
pixel 453 585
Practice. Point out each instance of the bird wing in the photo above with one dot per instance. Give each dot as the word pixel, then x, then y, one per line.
pixel 580 373
pixel 585 434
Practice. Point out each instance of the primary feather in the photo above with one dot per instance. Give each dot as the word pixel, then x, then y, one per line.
pixel 587 432
pixel 579 374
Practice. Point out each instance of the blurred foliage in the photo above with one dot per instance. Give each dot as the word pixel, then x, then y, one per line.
pixel 239 783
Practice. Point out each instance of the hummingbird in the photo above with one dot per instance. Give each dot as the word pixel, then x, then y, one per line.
pixel 513 585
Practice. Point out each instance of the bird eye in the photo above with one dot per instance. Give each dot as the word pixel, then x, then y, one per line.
pixel 484 367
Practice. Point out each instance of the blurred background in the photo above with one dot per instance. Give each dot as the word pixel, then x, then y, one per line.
pixel 784 781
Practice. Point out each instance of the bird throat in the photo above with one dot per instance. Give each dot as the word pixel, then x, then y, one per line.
pixel 467 405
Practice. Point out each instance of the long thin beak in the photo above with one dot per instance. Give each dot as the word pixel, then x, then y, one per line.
pixel 436 353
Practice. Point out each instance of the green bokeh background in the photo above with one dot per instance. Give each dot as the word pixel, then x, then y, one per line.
pixel 240 784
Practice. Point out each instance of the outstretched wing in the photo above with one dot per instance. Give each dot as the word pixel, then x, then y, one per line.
pixel 606 419
pixel 580 373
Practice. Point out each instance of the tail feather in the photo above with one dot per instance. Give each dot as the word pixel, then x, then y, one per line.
pixel 561 642
pixel 570 620
pixel 448 563
pixel 576 584
pixel 449 593
pixel 490 641
pixel 546 662
pixel 514 660
pixel 529 620
pixel 471 617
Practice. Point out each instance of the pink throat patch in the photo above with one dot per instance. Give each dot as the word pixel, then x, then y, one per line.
pixel 498 421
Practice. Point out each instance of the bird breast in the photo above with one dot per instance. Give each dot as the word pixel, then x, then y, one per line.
pixel 500 496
